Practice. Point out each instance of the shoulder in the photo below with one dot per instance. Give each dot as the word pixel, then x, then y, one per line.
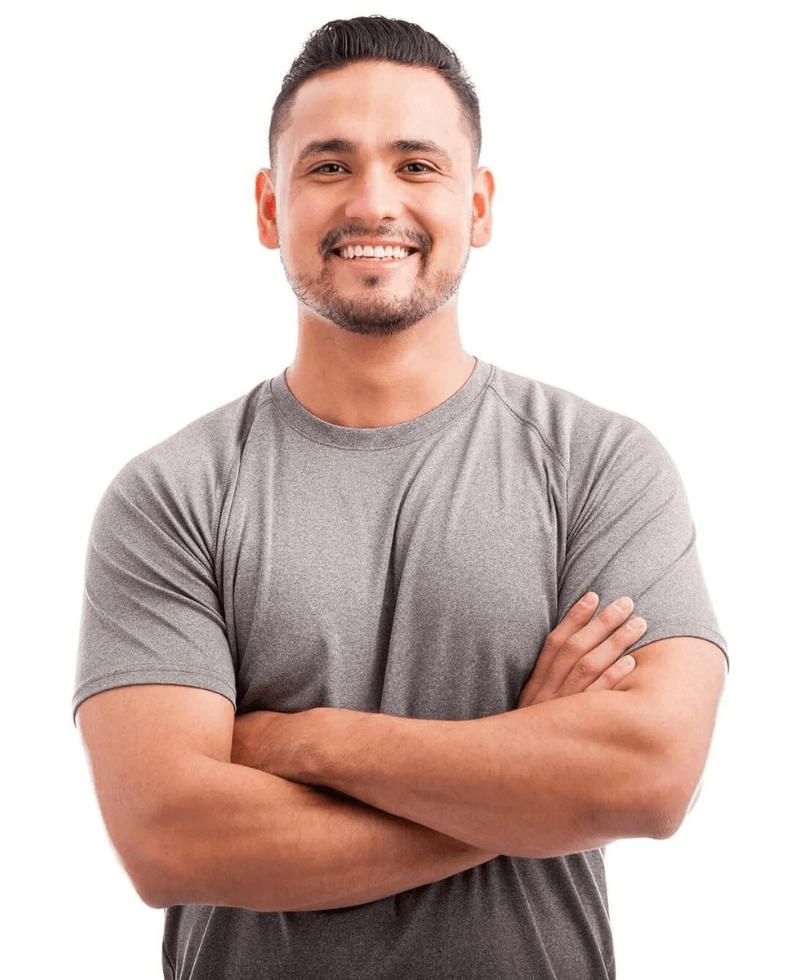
pixel 579 433
pixel 184 479
pixel 205 446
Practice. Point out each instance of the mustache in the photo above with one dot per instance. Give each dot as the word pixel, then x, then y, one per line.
pixel 411 236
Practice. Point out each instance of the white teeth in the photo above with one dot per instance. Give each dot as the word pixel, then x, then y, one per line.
pixel 379 252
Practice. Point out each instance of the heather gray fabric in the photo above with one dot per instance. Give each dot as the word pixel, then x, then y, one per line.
pixel 414 569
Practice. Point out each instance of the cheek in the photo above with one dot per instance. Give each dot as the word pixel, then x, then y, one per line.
pixel 447 217
pixel 299 230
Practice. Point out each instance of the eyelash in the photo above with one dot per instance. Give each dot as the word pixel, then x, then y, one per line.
pixel 411 163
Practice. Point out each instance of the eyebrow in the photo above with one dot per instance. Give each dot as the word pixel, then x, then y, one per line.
pixel 428 147
pixel 321 147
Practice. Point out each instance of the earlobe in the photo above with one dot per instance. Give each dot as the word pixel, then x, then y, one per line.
pixel 265 202
pixel 482 196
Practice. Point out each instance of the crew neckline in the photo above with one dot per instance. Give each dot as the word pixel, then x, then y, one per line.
pixel 385 436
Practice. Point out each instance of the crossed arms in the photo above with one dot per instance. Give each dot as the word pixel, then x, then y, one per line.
pixel 204 808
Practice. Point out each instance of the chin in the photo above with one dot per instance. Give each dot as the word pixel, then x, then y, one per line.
pixel 377 315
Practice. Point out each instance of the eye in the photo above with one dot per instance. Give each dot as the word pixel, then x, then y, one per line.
pixel 417 167
pixel 329 168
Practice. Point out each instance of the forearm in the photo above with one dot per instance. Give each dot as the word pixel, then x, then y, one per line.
pixel 569 775
pixel 247 839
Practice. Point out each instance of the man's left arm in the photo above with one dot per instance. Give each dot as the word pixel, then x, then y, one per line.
pixel 559 777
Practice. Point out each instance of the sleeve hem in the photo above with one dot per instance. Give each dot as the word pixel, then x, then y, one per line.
pixel 179 677
pixel 664 631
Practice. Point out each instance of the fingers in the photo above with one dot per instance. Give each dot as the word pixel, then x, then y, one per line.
pixel 604 658
pixel 612 675
pixel 583 653
pixel 578 616
pixel 588 652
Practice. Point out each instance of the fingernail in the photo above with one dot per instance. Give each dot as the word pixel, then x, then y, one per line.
pixel 637 623
pixel 627 661
pixel 624 604
pixel 589 599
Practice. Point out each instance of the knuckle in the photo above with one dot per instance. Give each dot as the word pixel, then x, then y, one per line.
pixel 570 648
pixel 629 632
pixel 615 672
pixel 621 640
pixel 585 667
pixel 609 616
pixel 622 667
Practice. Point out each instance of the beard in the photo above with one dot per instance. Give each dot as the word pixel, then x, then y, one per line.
pixel 375 314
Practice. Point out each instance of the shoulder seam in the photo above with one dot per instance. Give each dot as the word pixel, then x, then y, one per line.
pixel 228 481
pixel 532 425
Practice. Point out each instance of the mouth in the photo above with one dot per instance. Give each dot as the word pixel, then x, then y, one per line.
pixel 374 253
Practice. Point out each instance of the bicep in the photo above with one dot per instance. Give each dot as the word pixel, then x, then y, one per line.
pixel 147 743
pixel 630 532
pixel 677 686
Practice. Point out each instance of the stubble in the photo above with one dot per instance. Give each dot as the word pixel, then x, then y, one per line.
pixel 375 313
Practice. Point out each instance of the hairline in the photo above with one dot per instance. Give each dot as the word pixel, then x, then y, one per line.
pixel 280 118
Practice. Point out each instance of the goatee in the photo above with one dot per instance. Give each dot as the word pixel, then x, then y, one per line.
pixel 376 314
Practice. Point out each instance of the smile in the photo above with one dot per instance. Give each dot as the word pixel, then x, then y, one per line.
pixel 378 253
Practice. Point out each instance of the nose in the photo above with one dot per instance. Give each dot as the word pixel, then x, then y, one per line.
pixel 375 198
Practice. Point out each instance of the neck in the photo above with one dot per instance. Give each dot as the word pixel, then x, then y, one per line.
pixel 365 382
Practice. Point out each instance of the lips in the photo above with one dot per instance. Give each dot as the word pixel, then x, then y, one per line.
pixel 375 252
pixel 411 240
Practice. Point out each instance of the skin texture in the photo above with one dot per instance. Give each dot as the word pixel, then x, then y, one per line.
pixel 205 808
pixel 375 185
pixel 594 752
pixel 194 821
pixel 190 827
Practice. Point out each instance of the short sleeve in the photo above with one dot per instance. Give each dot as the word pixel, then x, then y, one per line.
pixel 151 610
pixel 630 532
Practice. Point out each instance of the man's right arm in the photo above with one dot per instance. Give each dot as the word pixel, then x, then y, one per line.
pixel 191 828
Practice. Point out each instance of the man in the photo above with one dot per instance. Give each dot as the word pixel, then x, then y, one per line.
pixel 351 676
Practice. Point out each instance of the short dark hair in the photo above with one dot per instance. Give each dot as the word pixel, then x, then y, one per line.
pixel 341 42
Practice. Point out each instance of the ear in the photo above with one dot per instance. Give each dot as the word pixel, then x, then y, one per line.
pixel 483 193
pixel 265 199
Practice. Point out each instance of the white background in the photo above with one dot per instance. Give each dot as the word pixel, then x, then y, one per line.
pixel 645 255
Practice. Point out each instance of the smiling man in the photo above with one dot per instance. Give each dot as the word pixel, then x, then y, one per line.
pixel 375 227
pixel 355 677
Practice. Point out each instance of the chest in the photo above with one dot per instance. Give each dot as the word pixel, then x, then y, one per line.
pixel 423 585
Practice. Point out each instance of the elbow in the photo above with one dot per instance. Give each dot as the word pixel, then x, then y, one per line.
pixel 155 890
pixel 146 860
pixel 663 822
pixel 154 899
pixel 669 798
pixel 152 885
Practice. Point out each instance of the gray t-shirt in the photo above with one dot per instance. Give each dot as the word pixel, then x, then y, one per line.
pixel 415 569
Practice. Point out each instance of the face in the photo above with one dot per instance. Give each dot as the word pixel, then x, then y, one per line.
pixel 373 200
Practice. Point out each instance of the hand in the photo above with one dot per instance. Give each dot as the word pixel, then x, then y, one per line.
pixel 582 654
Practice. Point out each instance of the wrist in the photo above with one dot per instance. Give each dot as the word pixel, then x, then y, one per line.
pixel 284 744
pixel 317 756
pixel 318 745
pixel 310 734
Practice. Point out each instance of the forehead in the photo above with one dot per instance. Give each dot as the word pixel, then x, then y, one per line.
pixel 375 104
